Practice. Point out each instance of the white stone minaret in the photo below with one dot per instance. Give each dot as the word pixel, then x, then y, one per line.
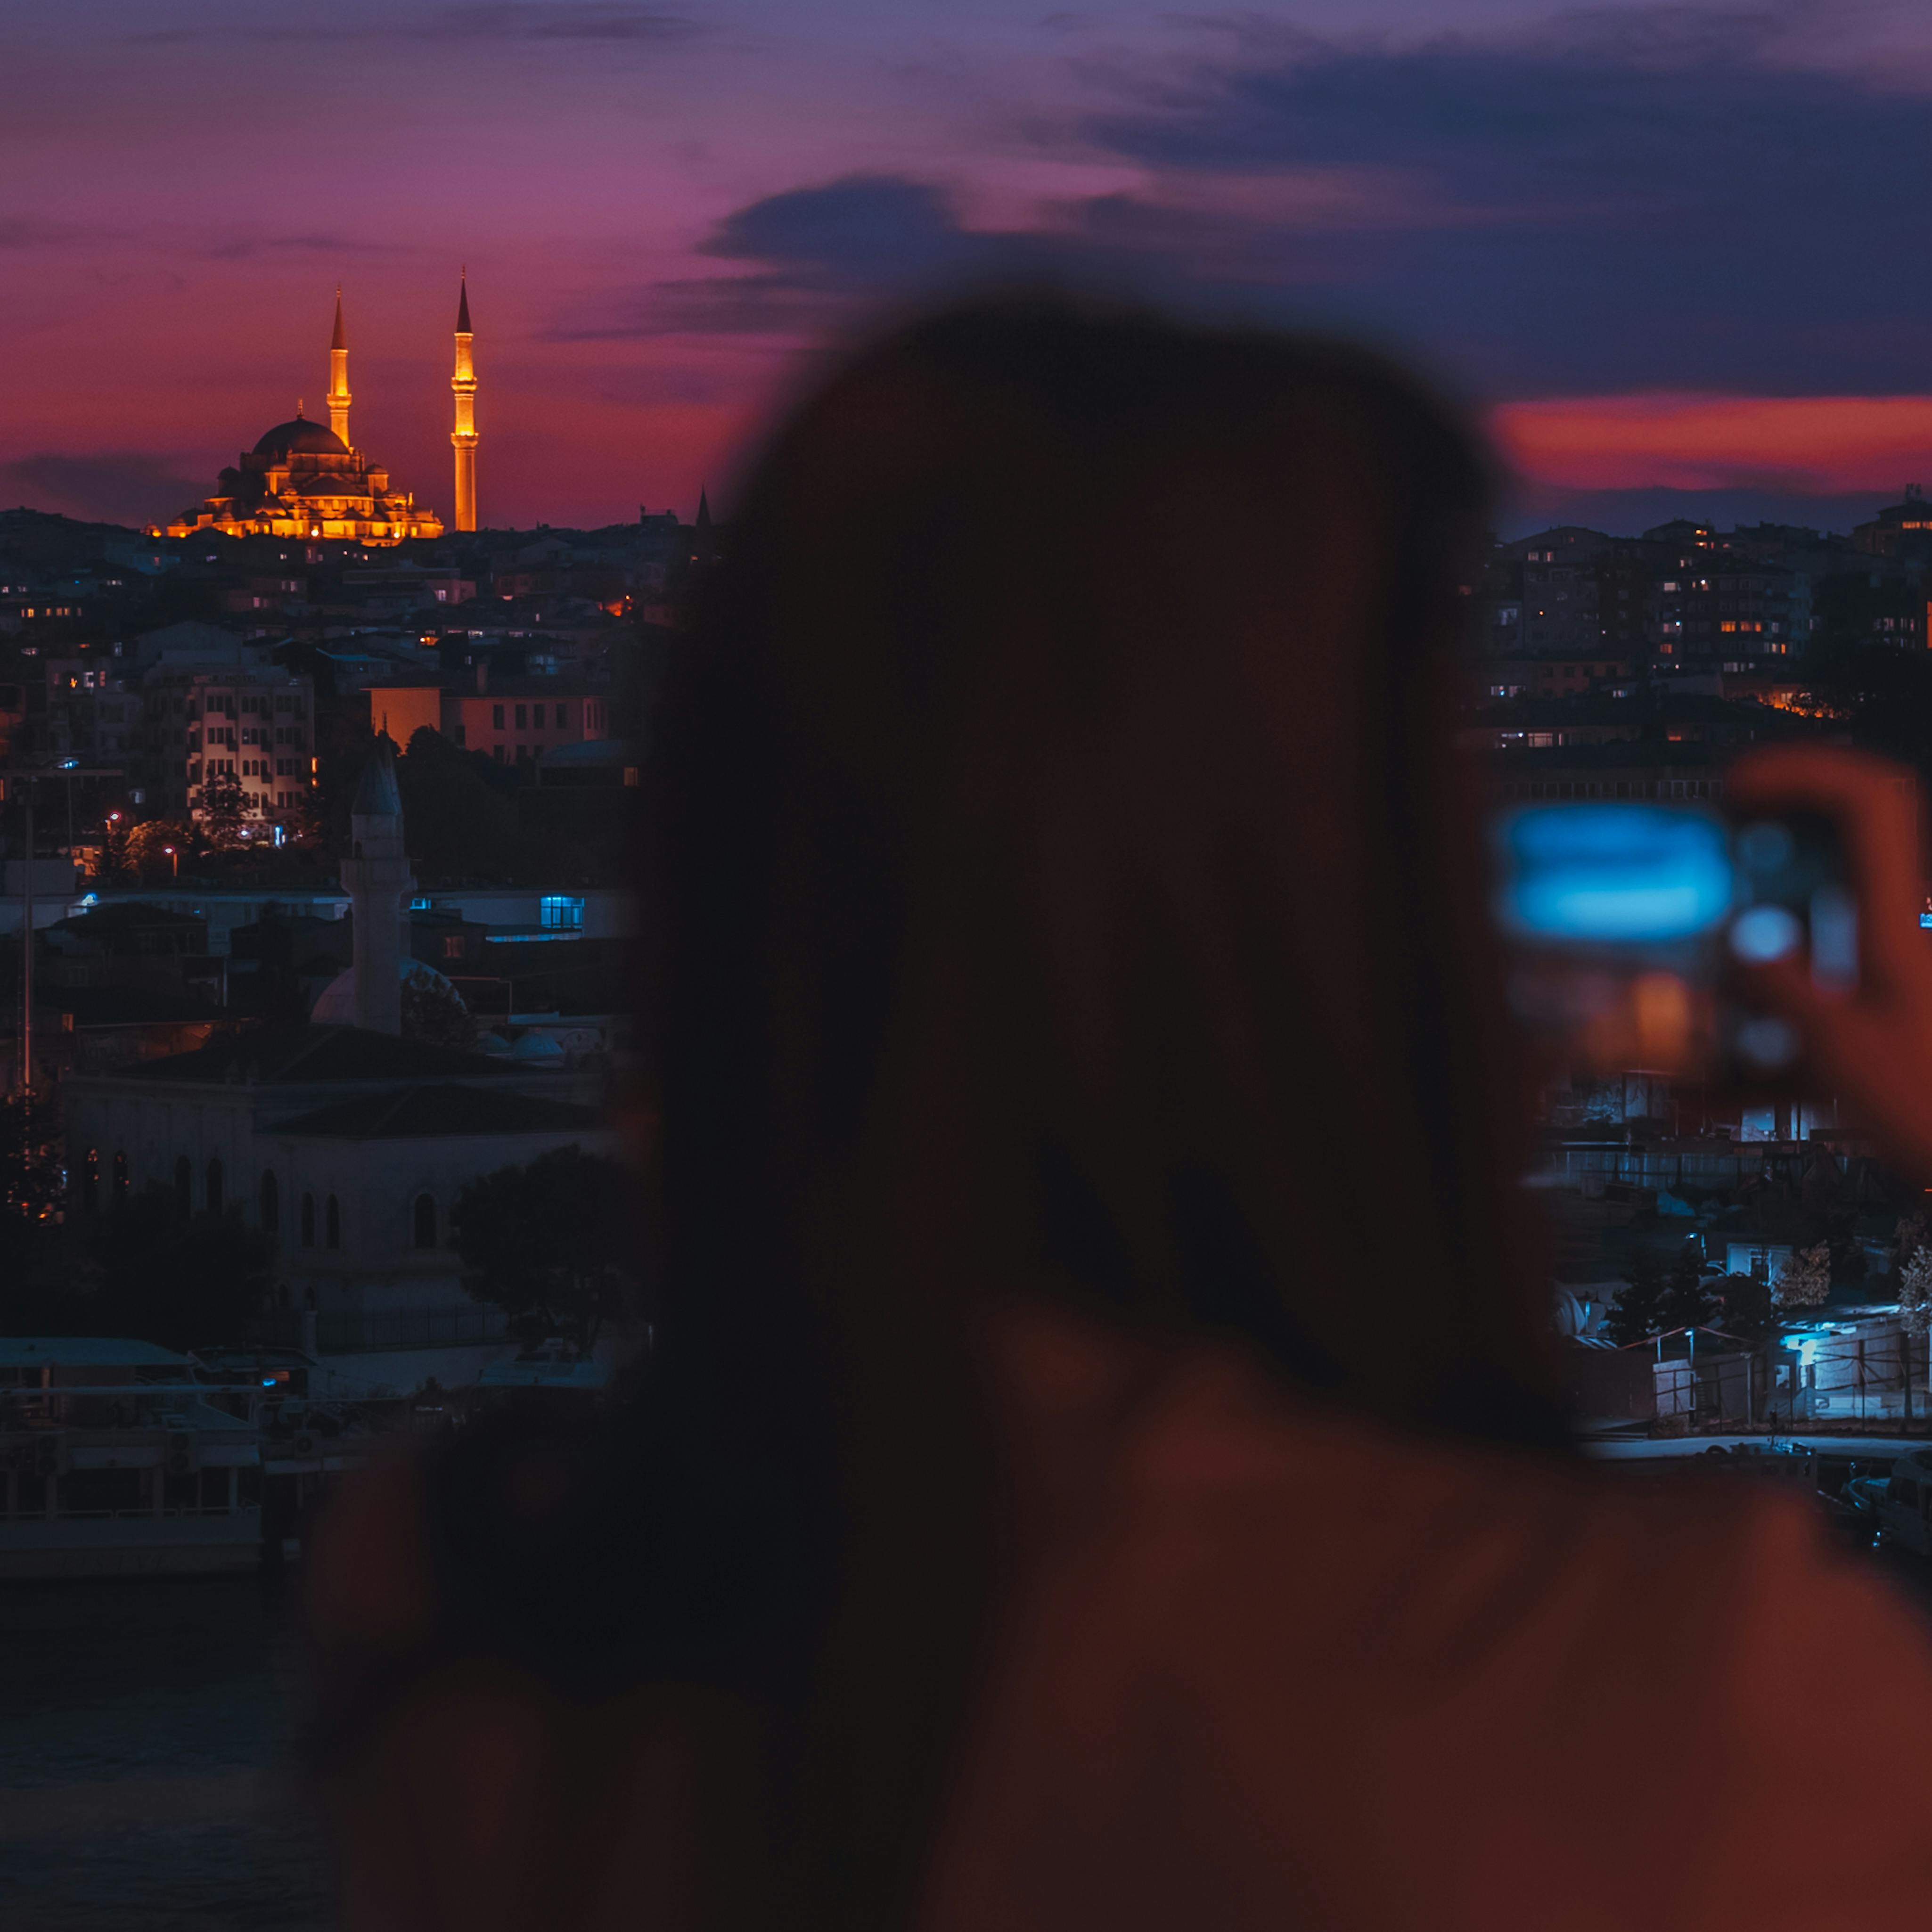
pixel 377 879
pixel 463 384
pixel 338 376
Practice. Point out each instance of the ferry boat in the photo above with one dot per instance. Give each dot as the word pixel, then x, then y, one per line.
pixel 116 1461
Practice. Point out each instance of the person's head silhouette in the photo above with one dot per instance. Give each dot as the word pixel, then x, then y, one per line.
pixel 1068 896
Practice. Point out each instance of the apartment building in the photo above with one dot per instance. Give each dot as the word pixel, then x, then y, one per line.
pixel 253 723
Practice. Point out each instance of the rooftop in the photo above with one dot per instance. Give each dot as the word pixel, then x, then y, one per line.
pixel 123 915
pixel 431 1112
pixel 93 1352
pixel 294 1054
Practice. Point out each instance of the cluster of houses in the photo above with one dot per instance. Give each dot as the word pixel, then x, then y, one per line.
pixel 1735 1205
pixel 342 1116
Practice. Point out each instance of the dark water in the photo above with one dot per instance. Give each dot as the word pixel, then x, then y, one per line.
pixel 148 1732
pixel 147 1735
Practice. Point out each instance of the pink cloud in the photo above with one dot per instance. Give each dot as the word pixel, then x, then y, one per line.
pixel 1663 439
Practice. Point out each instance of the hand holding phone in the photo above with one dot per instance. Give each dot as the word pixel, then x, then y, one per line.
pixel 1868 1037
pixel 1625 917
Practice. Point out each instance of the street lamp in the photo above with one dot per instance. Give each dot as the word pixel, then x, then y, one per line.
pixel 175 856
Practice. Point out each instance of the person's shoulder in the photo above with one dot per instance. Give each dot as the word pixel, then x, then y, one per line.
pixel 1213 1491
pixel 1694 1578
pixel 1220 1434
pixel 1537 1664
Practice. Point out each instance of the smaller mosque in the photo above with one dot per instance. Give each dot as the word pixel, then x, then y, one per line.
pixel 343 1140
pixel 306 479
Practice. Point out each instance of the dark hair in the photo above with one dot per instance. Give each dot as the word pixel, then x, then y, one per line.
pixel 1068 894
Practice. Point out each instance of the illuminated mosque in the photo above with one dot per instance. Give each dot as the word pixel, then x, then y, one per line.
pixel 303 480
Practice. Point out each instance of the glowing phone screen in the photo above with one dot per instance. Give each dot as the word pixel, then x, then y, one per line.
pixel 1612 875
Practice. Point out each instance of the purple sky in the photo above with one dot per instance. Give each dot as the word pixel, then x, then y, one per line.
pixel 1611 217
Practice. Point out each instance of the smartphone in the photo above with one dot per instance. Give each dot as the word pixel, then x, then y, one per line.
pixel 1621 918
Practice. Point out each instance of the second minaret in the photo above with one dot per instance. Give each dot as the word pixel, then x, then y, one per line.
pixel 338 376
pixel 464 383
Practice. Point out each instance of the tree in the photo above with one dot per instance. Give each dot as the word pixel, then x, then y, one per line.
pixel 223 806
pixel 1914 1293
pixel 1914 1306
pixel 1639 1312
pixel 433 1010
pixel 1806 1280
pixel 148 858
pixel 554 1243
pixel 1908 1237
pixel 1687 1303
pixel 342 743
pixel 456 824
pixel 32 1178
pixel 110 864
pixel 1744 1305
pixel 32 1278
pixel 183 1282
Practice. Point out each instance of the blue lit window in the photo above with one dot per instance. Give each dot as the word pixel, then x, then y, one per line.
pixel 419 905
pixel 556 910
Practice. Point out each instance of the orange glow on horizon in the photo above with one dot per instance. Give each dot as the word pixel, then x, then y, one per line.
pixel 1666 439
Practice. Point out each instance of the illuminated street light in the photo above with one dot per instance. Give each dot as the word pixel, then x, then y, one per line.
pixel 175 856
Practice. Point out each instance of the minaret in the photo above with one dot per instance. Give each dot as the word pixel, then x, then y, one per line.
pixel 704 545
pixel 377 879
pixel 463 382
pixel 338 375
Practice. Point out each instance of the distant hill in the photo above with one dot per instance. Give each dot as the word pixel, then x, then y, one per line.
pixel 43 542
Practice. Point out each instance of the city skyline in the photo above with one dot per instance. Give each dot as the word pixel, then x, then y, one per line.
pixel 1667 252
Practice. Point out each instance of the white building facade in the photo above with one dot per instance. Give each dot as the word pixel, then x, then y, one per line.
pixel 349 1149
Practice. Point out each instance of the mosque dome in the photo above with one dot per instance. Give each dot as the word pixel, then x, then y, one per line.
pixel 298 436
pixel 304 479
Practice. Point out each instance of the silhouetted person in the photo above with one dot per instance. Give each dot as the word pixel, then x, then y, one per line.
pixel 1100 1464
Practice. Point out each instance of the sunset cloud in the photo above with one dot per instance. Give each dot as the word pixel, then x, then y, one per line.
pixel 1809 445
pixel 1673 248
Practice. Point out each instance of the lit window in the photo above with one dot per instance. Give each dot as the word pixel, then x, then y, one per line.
pixel 558 910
